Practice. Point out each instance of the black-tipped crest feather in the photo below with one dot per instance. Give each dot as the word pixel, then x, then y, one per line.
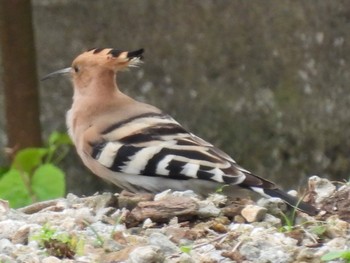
pixel 115 52
pixel 136 54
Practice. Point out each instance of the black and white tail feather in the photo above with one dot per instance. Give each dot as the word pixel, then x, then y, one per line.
pixel 155 145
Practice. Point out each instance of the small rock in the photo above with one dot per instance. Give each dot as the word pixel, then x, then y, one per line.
pixel 272 220
pixel 130 200
pixel 218 227
pixel 162 195
pixel 111 245
pixel 187 193
pixel 162 211
pixel 119 256
pixel 163 242
pixel 146 254
pixel 232 210
pixel 184 258
pixel 241 228
pixel 322 187
pixel 51 259
pixel 21 235
pixel 4 207
pixel 274 206
pixel 28 258
pixel 207 209
pixel 147 223
pixel 253 213
pixel 9 227
pixel 6 247
pixel 293 193
pixel 239 219
pixel 336 227
pixel 307 255
pixel 217 199
pixel 6 259
pixel 338 243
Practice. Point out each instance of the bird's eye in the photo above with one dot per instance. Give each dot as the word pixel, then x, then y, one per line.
pixel 76 69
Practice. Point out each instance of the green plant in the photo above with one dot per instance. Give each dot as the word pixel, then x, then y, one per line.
pixel 289 219
pixel 186 249
pixel 61 245
pixel 34 175
pixel 99 239
pixel 220 189
pixel 345 255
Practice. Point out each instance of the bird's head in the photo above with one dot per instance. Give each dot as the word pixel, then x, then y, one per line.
pixel 99 63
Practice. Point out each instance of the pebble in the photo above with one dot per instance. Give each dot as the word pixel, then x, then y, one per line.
pixel 51 260
pixel 207 209
pixel 4 207
pixel 146 254
pixel 274 206
pixel 322 187
pixel 165 245
pixel 253 213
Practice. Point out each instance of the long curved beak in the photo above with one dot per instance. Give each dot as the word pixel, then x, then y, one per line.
pixel 58 72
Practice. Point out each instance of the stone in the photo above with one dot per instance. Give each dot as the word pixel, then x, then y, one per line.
pixel 253 213
pixel 272 220
pixel 322 187
pixel 232 210
pixel 6 259
pixel 163 242
pixel 28 258
pixel 207 209
pixel 217 199
pixel 21 235
pixel 51 259
pixel 146 254
pixel 4 207
pixel 130 200
pixel 9 227
pixel 274 206
pixel 163 210
pixel 336 227
pixel 6 246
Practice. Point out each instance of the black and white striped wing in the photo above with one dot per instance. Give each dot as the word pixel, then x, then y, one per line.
pixel 156 145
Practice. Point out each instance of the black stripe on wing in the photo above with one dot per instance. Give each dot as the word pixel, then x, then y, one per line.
pixel 152 164
pixel 121 123
pixel 154 133
pixel 97 148
pixel 175 168
pixel 123 156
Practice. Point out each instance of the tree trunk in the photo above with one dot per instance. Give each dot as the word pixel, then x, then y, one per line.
pixel 19 74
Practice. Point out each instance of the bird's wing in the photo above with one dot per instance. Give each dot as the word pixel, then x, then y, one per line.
pixel 154 144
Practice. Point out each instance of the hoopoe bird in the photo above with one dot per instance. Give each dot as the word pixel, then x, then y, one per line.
pixel 138 147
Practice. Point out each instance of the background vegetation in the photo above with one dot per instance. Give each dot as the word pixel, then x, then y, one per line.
pixel 267 81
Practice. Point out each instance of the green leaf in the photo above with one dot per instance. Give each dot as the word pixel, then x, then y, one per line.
pixel 3 170
pixel 28 159
pixel 48 182
pixel 335 255
pixel 12 188
pixel 58 138
pixel 186 249
pixel 318 230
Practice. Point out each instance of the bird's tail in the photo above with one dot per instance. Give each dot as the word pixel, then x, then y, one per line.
pixel 267 188
pixel 292 200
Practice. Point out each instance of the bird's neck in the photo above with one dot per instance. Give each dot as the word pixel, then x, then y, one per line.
pixel 102 84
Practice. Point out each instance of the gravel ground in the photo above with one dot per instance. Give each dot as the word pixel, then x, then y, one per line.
pixel 176 227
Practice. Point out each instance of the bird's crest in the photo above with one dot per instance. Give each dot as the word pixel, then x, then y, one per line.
pixel 110 57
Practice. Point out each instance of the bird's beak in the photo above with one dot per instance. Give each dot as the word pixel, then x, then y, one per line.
pixel 58 72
